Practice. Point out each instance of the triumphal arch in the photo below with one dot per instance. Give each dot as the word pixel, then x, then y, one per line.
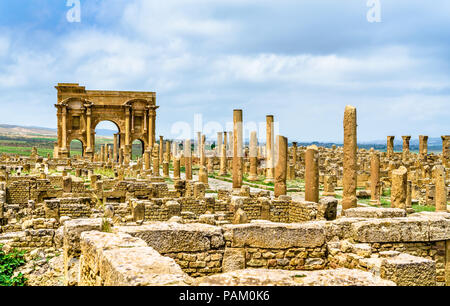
pixel 79 111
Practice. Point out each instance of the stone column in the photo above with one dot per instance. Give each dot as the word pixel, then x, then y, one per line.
pixel 350 158
pixel 115 147
pixel 161 148
pixel 399 188
pixel 223 160
pixel 188 159
pixel 423 147
pixel 151 128
pixel 105 157
pixel 253 156
pixel 199 141
pixel 147 160
pixel 406 140
pixel 155 159
pixel 375 177
pixel 176 168
pixel 294 153
pixel 230 141
pixel 440 188
pixel 225 140
pixel 89 149
pixel 312 174
pixel 390 146
pixel 237 148
pixel 280 169
pixel 203 172
pixel 446 151
pixel 121 156
pixel 409 208
pixel 269 152
pixel 64 129
pixel 127 126
pixel 102 153
pixel 219 144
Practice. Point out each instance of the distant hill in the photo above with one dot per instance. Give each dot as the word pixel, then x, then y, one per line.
pixel 30 131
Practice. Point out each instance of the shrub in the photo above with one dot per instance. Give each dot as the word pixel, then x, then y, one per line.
pixel 8 264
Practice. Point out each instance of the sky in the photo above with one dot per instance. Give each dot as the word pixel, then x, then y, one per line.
pixel 299 60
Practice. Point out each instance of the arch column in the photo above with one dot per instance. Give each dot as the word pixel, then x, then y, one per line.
pixel 127 150
pixel 151 127
pixel 64 152
pixel 89 150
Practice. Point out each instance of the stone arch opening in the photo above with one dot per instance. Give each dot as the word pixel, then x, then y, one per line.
pixel 107 135
pixel 76 147
pixel 137 149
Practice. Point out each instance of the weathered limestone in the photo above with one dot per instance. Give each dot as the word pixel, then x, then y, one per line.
pixel 273 277
pixel 350 159
pixel 423 147
pixel 440 188
pixel 280 169
pixel 188 159
pixel 390 146
pixel 312 174
pixel 269 151
pixel 375 177
pixel 253 156
pixel 237 148
pixel 399 188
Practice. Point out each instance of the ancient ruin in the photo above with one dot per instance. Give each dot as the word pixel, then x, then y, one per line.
pixel 238 213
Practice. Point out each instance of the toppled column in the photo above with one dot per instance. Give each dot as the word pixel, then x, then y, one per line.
pixel 350 159
pixel 237 148
pixel 375 178
pixel 399 188
pixel 406 140
pixel 440 188
pixel 423 147
pixel 446 151
pixel 269 152
pixel 253 155
pixel 188 159
pixel 280 169
pixel 312 174
pixel 390 146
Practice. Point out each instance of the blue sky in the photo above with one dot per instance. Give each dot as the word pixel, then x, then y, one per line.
pixel 300 60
